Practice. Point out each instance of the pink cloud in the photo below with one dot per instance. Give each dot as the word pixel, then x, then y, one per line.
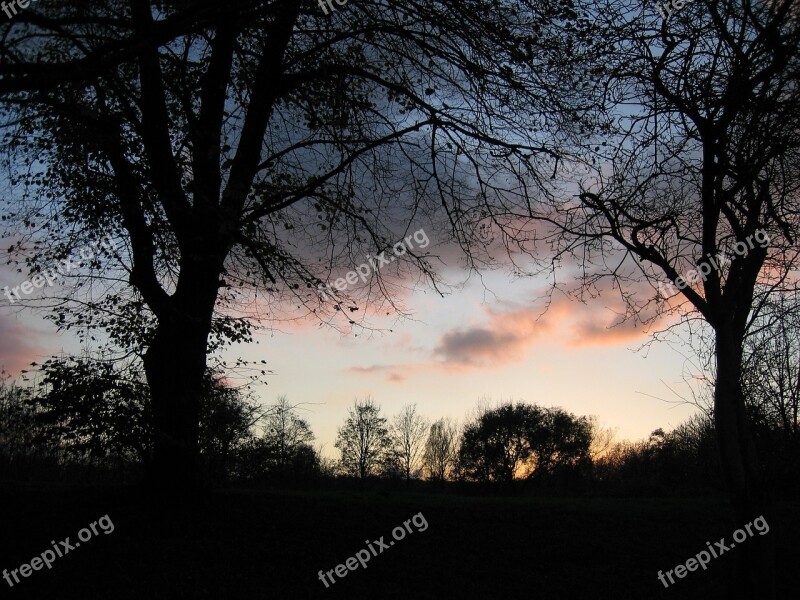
pixel 391 372
pixel 17 345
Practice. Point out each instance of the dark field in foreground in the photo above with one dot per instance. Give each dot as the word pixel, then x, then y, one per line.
pixel 258 544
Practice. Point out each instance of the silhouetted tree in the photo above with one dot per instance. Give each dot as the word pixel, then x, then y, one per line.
pixel 91 407
pixel 227 420
pixel 678 462
pixel 497 445
pixel 603 439
pixel 441 449
pixel 771 383
pixel 409 431
pixel 515 441
pixel 289 435
pixel 363 441
pixel 559 441
pixel 771 373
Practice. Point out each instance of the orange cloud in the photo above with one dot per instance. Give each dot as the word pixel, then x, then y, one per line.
pixel 508 333
pixel 605 332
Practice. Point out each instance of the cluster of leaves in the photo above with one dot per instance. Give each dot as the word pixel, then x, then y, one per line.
pixel 93 408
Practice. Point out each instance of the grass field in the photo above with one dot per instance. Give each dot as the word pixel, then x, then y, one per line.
pixel 268 544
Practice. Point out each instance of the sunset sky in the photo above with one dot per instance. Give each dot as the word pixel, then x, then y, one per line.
pixel 489 340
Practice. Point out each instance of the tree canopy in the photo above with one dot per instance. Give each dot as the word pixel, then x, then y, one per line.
pixel 518 441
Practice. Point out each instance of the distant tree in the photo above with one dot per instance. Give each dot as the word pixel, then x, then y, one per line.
pixel 685 459
pixel 258 458
pixel 441 449
pixel 603 439
pixel 227 419
pixel 363 441
pixel 497 445
pixel 304 461
pixel 328 466
pixel 288 435
pixel 771 373
pixel 561 440
pixel 409 431
pixel 515 441
pixel 391 465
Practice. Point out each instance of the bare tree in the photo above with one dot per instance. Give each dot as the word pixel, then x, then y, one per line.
pixel 286 431
pixel 771 373
pixel 692 176
pixel 441 449
pixel 409 431
pixel 363 441
pixel 603 439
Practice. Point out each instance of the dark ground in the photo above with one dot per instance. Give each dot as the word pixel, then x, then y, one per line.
pixel 268 544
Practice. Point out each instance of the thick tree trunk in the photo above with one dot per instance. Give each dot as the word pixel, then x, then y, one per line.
pixel 740 468
pixel 175 365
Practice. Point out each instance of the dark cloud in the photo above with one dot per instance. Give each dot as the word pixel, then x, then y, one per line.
pixel 478 345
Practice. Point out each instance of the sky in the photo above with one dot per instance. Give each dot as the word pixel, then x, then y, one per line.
pixel 486 341
pixel 471 347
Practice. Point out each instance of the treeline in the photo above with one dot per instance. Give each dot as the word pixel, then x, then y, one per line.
pixel 86 420
pixel 503 444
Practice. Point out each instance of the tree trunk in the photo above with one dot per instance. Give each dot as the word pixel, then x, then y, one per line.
pixel 175 365
pixel 740 467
